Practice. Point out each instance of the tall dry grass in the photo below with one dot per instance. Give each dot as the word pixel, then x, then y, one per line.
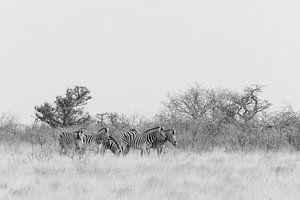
pixel 35 172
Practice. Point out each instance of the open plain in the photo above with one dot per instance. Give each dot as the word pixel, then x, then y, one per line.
pixel 34 172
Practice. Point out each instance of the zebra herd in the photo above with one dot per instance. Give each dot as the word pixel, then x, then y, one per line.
pixel 80 141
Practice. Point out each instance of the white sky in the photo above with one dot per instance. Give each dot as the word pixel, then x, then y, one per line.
pixel 131 53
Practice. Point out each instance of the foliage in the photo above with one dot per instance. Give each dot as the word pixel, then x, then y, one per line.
pixel 249 105
pixel 204 119
pixel 67 110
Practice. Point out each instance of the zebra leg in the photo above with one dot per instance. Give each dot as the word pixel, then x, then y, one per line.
pixel 123 147
pixel 145 150
pixel 148 151
pixel 158 151
pixel 60 151
pixel 81 151
pixel 95 149
pixel 127 150
pixel 102 149
pixel 142 152
pixel 164 150
pixel 72 153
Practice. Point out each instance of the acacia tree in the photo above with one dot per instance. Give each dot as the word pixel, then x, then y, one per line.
pixel 67 110
pixel 249 107
pixel 249 104
pixel 200 113
pixel 211 114
pixel 199 103
pixel 194 103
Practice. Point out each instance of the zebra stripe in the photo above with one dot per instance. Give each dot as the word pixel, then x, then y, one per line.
pixel 112 145
pixel 142 141
pixel 69 140
pixel 160 145
pixel 94 141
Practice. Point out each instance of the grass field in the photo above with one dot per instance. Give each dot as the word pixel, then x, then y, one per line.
pixel 33 173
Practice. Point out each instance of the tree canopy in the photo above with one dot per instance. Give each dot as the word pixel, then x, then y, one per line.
pixel 67 110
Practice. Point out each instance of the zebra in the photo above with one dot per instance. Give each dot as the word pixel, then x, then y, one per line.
pixel 94 141
pixel 70 140
pixel 112 145
pixel 159 145
pixel 142 141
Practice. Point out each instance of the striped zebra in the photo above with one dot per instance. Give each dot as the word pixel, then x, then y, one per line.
pixel 142 141
pixel 160 145
pixel 94 141
pixel 70 140
pixel 112 145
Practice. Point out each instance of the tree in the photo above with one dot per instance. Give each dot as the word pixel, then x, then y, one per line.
pixel 193 103
pixel 201 113
pixel 67 110
pixel 249 105
pixel 198 103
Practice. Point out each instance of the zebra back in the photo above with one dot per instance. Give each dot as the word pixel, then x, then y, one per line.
pixel 155 134
pixel 92 141
pixel 136 139
pixel 70 140
pixel 99 137
pixel 66 137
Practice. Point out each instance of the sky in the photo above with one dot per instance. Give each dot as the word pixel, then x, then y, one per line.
pixel 130 54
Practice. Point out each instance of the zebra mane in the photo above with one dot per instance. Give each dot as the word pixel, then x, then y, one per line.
pixel 152 129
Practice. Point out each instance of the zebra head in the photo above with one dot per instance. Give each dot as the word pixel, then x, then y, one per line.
pixel 103 134
pixel 170 136
pixel 114 146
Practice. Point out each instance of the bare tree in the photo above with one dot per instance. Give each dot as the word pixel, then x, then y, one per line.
pixel 193 103
pixel 198 103
pixel 249 104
